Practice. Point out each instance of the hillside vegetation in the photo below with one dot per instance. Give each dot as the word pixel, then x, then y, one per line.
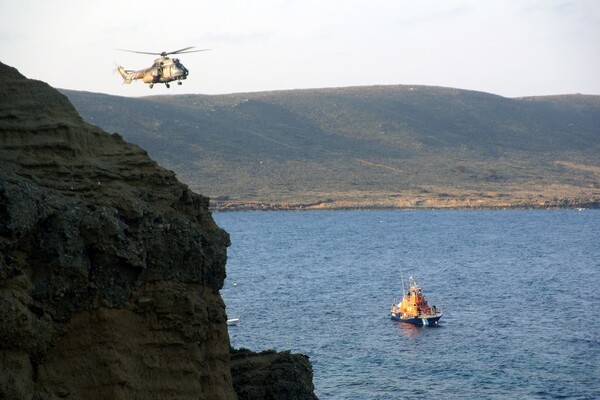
pixel 367 147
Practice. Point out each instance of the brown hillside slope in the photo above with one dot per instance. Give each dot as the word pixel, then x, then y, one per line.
pixel 376 146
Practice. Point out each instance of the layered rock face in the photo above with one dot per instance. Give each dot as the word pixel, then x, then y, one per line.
pixel 271 375
pixel 110 269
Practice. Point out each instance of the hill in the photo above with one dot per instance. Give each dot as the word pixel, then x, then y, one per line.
pixel 367 147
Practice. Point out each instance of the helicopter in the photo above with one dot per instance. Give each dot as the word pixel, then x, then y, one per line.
pixel 164 69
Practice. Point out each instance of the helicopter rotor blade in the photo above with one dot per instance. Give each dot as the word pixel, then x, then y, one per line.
pixel 181 50
pixel 140 52
pixel 191 51
pixel 166 53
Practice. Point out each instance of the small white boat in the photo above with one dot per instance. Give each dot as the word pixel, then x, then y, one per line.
pixel 233 321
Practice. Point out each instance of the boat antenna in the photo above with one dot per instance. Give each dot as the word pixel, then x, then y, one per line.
pixel 402 279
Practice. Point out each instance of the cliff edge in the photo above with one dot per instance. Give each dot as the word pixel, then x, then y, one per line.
pixel 110 268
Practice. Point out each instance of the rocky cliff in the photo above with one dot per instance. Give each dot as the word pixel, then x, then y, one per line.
pixel 110 268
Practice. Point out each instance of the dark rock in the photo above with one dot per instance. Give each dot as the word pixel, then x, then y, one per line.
pixel 110 268
pixel 271 375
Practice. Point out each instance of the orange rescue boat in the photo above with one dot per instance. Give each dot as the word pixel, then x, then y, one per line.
pixel 414 309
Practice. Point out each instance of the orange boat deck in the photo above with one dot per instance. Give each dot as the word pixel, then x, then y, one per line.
pixel 414 305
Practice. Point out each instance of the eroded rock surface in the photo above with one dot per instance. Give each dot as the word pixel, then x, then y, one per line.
pixel 271 375
pixel 110 268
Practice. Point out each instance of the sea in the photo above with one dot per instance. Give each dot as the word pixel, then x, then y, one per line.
pixel 520 293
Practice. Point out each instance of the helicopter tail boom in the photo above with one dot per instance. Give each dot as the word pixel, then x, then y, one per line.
pixel 128 76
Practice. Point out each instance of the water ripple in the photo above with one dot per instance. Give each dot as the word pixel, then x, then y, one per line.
pixel 519 291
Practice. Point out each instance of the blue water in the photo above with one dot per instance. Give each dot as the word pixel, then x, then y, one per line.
pixel 520 291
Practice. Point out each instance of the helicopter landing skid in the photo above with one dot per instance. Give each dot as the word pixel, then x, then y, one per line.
pixel 151 85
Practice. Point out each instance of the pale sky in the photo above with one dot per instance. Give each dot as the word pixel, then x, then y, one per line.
pixel 512 48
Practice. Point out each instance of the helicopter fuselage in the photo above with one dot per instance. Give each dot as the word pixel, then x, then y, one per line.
pixel 164 70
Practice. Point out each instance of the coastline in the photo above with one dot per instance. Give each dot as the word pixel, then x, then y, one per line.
pixel 478 204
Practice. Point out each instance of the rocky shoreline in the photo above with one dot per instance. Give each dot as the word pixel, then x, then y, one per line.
pixel 476 204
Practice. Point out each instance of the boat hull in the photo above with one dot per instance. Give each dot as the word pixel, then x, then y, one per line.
pixel 424 321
